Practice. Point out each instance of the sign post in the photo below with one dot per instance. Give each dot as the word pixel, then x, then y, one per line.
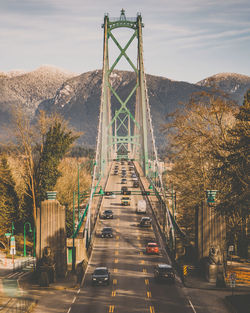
pixel 12 247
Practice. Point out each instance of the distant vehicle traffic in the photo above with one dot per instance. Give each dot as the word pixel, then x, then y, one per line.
pixel 152 248
pixel 107 214
pixel 135 184
pixel 124 181
pixel 101 276
pixel 141 207
pixel 125 201
pixel 107 232
pixel 164 272
pixel 145 222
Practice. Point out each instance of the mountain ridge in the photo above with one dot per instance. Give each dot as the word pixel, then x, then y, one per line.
pixel 77 96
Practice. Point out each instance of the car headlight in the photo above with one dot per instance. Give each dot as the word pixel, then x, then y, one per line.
pixel 105 278
pixel 94 278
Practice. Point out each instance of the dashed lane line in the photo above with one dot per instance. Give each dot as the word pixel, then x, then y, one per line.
pixel 113 293
pixel 116 260
pixel 111 308
pixel 114 281
pixel 144 270
pixel 146 281
pixel 152 309
pixel 149 295
pixel 74 299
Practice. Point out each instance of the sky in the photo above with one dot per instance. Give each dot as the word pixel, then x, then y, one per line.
pixel 184 40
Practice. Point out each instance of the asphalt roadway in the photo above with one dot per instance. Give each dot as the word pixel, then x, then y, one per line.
pixel 132 286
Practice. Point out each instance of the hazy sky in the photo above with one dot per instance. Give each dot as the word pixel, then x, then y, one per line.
pixel 183 39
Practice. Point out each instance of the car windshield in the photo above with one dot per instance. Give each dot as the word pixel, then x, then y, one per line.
pixel 152 245
pixel 164 269
pixel 108 211
pixel 100 272
pixel 108 229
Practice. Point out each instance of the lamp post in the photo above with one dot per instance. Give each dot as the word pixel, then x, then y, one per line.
pixel 24 237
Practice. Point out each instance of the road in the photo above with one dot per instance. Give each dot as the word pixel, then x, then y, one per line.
pixel 132 287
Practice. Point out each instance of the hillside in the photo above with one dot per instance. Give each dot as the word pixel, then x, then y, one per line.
pixel 77 97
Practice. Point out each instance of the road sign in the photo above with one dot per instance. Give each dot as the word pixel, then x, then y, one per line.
pixel 231 248
pixel 12 245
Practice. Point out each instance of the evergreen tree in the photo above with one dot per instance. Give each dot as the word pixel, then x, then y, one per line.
pixel 8 198
pixel 56 144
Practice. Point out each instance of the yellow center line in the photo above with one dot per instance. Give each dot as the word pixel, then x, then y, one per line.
pixel 114 281
pixel 152 309
pixel 142 261
pixel 149 295
pixel 146 281
pixel 111 308
pixel 117 237
pixel 116 260
pixel 113 293
pixel 116 252
pixel 144 270
pixel 115 270
pixel 117 244
pixel 138 237
pixel 141 253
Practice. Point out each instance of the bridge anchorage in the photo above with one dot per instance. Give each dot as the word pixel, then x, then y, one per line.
pixel 127 132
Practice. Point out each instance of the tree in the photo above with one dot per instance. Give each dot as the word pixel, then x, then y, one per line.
pixel 42 146
pixel 193 134
pixel 9 205
pixel 233 165
pixel 57 142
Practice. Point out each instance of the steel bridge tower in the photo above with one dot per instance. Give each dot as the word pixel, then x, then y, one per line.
pixel 122 134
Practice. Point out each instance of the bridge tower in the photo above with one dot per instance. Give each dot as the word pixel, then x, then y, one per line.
pixel 123 135
pixel 125 130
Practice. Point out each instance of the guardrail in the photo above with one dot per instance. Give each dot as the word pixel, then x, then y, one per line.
pixel 19 265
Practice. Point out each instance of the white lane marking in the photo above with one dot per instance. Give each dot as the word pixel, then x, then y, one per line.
pixel 78 291
pixel 69 310
pixel 74 299
pixel 191 305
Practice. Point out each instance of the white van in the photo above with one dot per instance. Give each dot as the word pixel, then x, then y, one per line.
pixel 141 207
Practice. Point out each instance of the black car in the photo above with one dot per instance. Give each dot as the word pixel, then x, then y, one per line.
pixel 135 184
pixel 101 276
pixel 107 214
pixel 145 222
pixel 164 272
pixel 107 232
pixel 124 181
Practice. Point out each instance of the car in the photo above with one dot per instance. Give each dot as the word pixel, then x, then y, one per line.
pixel 107 214
pixel 107 232
pixel 133 175
pixel 125 201
pixel 145 222
pixel 113 196
pixel 100 276
pixel 135 179
pixel 115 172
pixel 152 248
pixel 124 188
pixel 124 181
pixel 135 184
pixel 164 272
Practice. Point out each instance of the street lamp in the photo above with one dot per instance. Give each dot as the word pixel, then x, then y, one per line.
pixel 24 237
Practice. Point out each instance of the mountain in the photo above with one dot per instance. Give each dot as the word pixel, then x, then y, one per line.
pixel 77 97
pixel 78 100
pixel 233 84
pixel 27 90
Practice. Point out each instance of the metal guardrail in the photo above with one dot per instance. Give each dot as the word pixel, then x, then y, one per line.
pixel 17 305
pixel 19 265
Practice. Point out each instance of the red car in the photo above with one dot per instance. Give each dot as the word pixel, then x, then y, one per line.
pixel 152 247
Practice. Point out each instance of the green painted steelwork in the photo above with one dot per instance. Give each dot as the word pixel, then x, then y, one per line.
pixel 118 131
